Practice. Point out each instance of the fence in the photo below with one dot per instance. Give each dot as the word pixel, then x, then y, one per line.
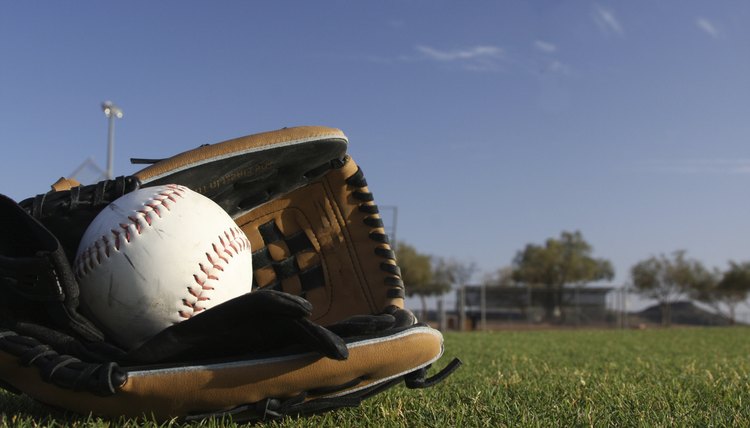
pixel 479 307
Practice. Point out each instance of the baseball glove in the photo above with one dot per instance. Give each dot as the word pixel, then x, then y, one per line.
pixel 324 328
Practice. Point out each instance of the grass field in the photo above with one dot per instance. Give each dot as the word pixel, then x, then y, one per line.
pixel 675 377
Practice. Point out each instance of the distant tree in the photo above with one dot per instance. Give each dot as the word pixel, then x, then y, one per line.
pixel 559 262
pixel 502 277
pixel 667 279
pixel 453 272
pixel 734 286
pixel 418 275
pixel 727 290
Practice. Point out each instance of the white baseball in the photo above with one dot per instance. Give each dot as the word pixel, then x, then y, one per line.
pixel 157 256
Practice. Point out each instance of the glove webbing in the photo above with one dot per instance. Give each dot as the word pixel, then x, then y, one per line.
pixel 312 277
pixel 64 371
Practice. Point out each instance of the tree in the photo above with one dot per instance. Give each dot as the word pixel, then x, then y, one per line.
pixel 453 272
pixel 734 286
pixel 417 273
pixel 668 279
pixel 502 277
pixel 558 263
pixel 727 290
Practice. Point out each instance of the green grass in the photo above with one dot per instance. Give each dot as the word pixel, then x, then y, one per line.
pixel 676 377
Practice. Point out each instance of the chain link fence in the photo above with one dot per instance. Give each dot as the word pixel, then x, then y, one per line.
pixel 476 307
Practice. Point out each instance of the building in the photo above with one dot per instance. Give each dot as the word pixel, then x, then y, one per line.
pixel 577 305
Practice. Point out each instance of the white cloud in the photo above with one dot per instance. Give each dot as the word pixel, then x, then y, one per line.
pixel 708 27
pixel 558 67
pixel 606 20
pixel 477 58
pixel 476 52
pixel 699 166
pixel 545 47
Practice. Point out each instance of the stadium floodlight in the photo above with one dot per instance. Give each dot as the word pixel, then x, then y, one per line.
pixel 111 111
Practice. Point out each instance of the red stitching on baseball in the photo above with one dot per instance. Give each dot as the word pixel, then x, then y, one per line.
pixel 210 271
pixel 219 252
pixel 154 209
pixel 198 280
pixel 116 234
pixel 105 245
pixel 226 249
pixel 98 253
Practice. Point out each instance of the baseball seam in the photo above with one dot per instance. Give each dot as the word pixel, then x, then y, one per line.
pixel 156 206
pixel 230 243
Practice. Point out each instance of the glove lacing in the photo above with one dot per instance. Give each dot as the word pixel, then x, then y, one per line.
pixel 373 220
pixel 90 196
pixel 64 371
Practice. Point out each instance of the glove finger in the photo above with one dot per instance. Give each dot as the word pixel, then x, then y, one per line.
pixel 67 213
pixel 35 271
pixel 254 322
pixel 404 317
pixel 321 339
pixel 257 304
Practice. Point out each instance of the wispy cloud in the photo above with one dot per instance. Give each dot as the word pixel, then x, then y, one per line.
pixel 461 54
pixel 549 64
pixel 606 20
pixel 476 58
pixel 479 58
pixel 707 27
pixel 697 166
pixel 557 67
pixel 545 47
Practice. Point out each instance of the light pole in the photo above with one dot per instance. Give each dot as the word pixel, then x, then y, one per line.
pixel 391 232
pixel 112 112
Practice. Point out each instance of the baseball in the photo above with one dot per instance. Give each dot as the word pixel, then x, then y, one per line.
pixel 158 256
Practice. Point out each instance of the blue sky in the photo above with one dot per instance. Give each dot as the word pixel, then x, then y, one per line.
pixel 489 124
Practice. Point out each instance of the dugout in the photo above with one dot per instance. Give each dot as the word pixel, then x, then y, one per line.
pixel 572 305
